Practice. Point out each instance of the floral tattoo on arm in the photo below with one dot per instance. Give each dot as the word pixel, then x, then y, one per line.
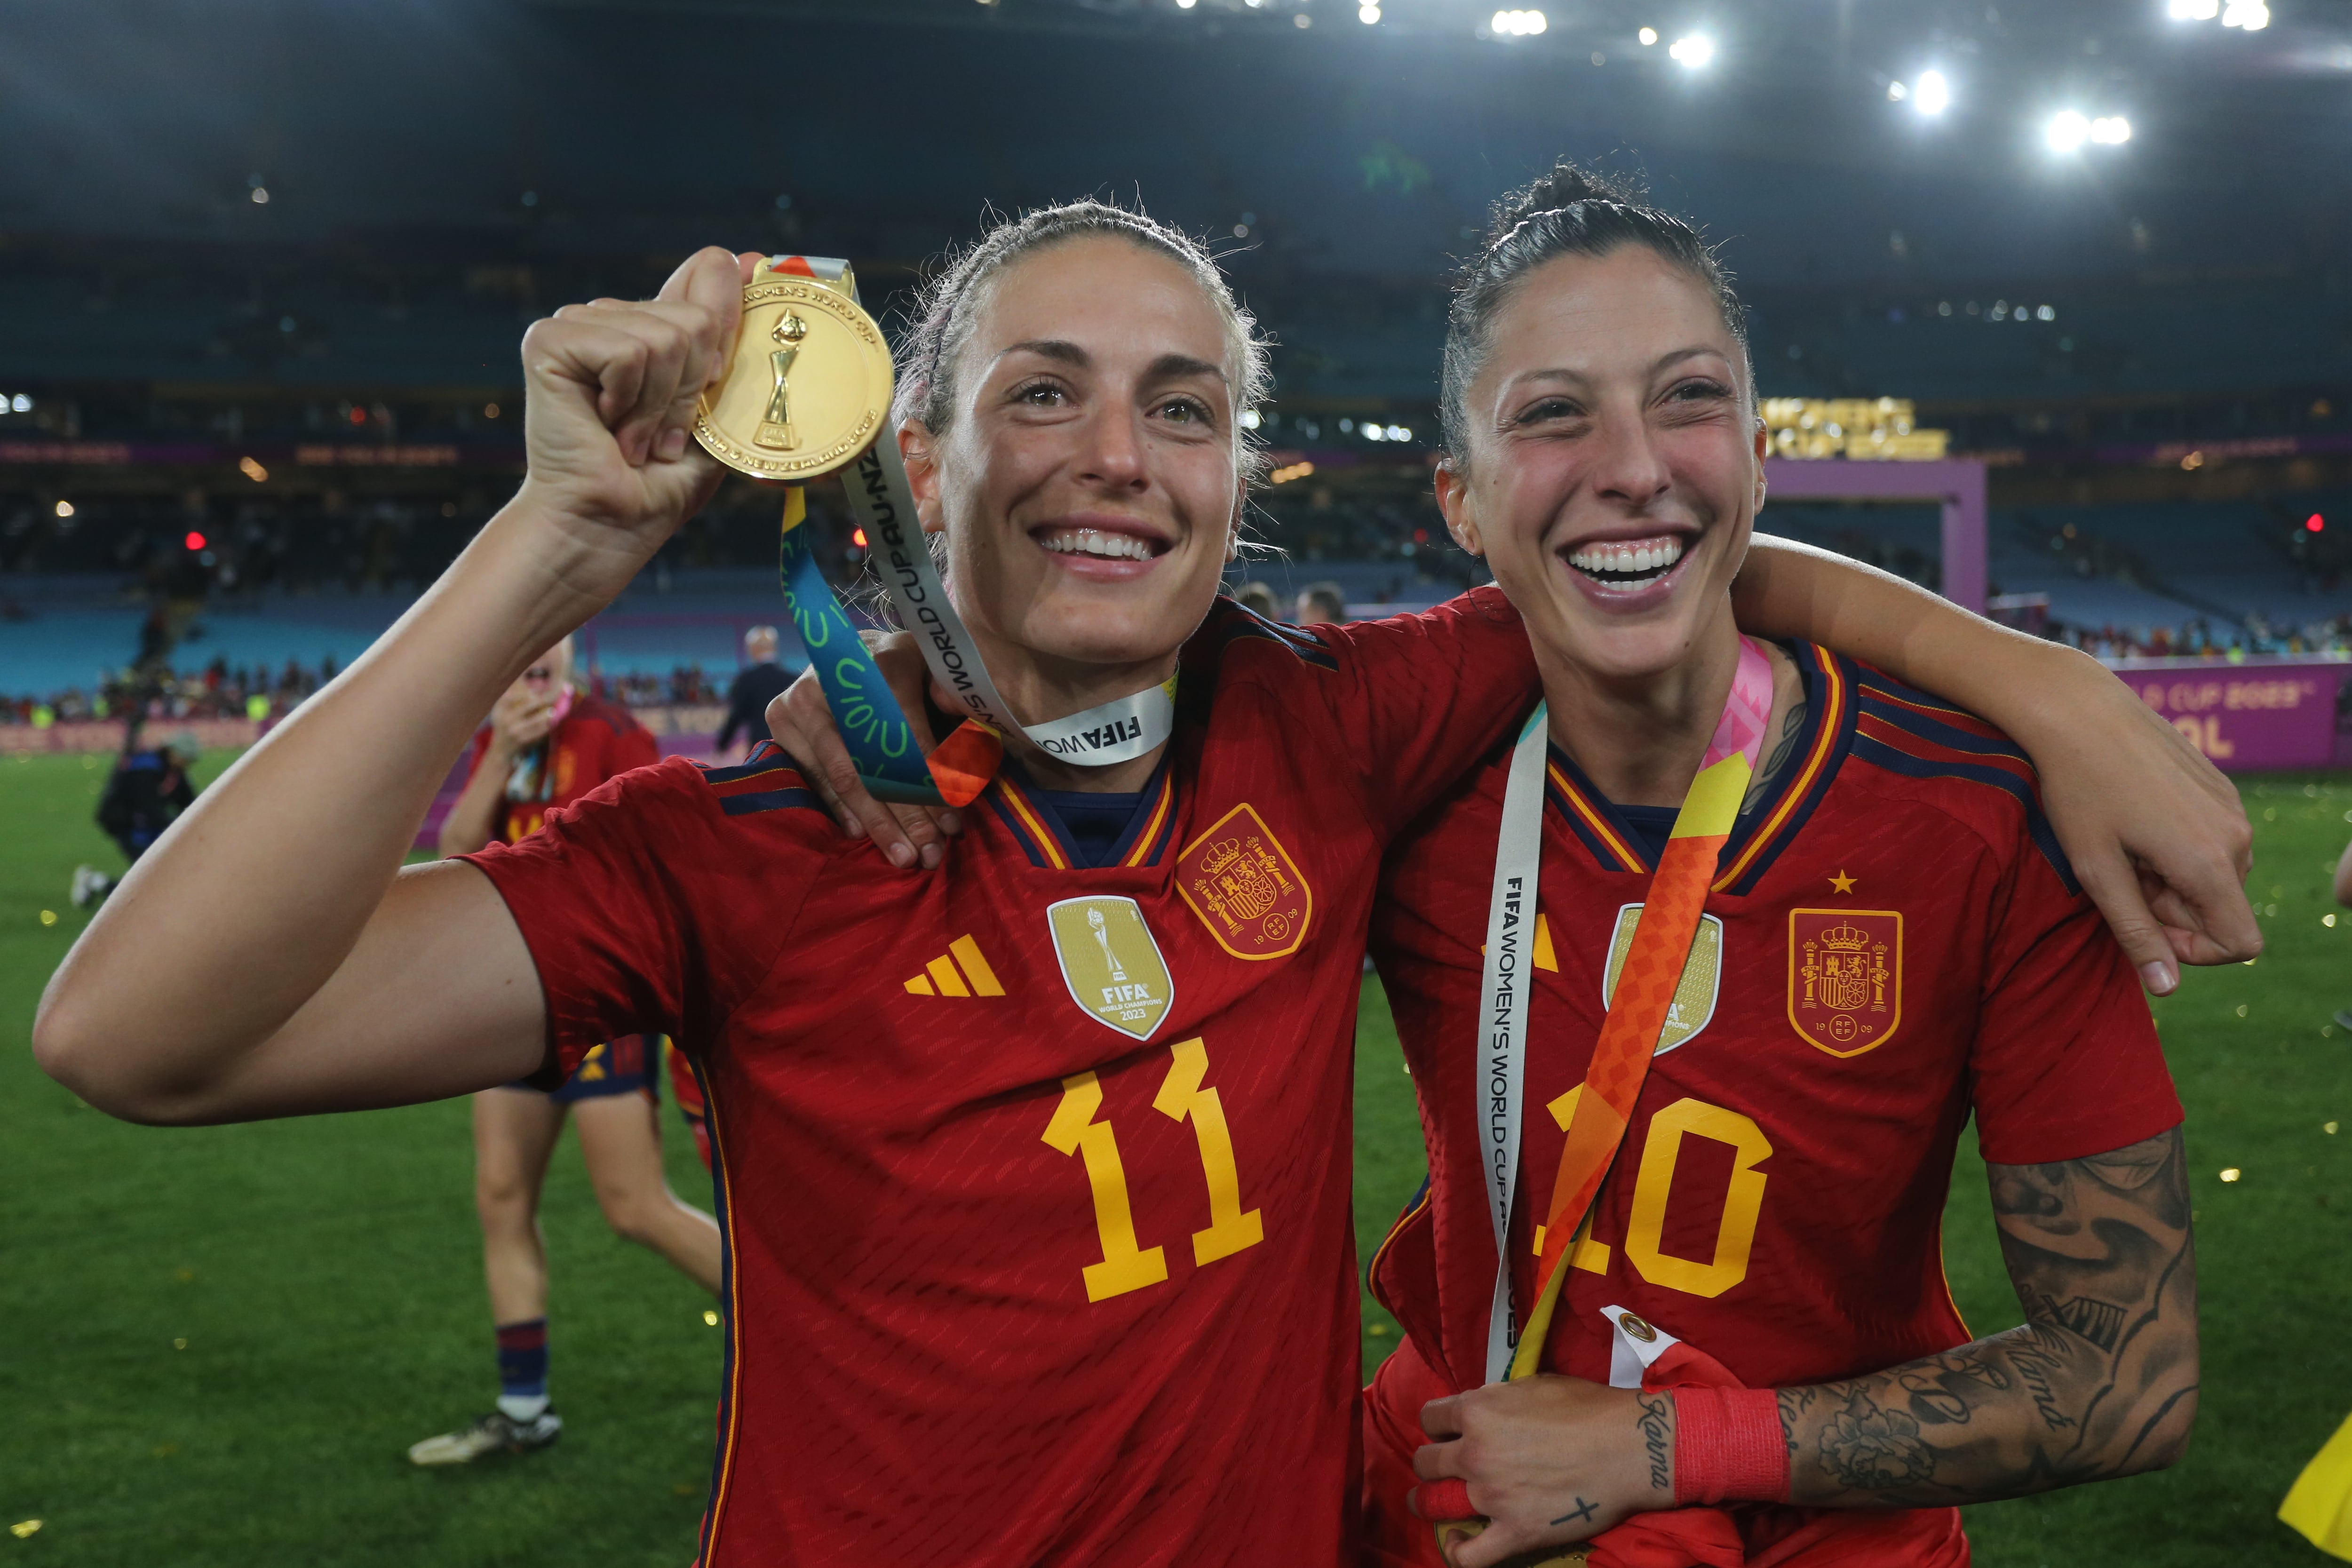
pixel 2100 1381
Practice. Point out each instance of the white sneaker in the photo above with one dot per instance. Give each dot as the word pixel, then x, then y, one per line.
pixel 89 884
pixel 496 1433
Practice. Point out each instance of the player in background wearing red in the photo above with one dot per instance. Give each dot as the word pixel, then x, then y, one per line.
pixel 1034 1172
pixel 546 746
pixel 1892 940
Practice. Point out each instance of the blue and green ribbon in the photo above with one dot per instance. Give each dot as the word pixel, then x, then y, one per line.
pixel 872 724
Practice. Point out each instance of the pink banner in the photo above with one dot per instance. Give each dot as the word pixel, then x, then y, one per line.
pixel 2253 716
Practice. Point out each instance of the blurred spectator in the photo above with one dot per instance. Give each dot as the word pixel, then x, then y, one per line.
pixel 1258 600
pixel 756 685
pixel 143 795
pixel 1320 604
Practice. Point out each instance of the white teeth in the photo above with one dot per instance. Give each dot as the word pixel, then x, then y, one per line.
pixel 1623 558
pixel 1094 541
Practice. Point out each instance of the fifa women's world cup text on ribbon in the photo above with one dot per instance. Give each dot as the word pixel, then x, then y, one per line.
pixel 1637 1010
pixel 808 392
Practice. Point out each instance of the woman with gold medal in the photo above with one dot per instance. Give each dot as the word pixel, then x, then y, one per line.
pixel 1025 1265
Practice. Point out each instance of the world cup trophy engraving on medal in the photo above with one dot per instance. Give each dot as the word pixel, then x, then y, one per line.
pixel 808 385
pixel 776 430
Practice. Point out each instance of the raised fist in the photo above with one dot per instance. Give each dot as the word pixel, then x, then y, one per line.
pixel 608 421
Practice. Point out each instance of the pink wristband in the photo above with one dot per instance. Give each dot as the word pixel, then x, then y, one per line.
pixel 1729 1446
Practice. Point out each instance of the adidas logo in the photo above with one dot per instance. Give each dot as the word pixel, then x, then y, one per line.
pixel 941 977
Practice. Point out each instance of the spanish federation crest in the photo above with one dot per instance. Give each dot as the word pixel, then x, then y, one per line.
pixel 1694 993
pixel 1110 963
pixel 1246 887
pixel 1845 978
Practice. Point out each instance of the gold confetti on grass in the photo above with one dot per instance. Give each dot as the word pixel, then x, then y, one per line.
pixel 710 1317
pixel 2232 1174
pixel 24 1527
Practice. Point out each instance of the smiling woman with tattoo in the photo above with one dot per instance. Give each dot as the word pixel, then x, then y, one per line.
pixel 1698 998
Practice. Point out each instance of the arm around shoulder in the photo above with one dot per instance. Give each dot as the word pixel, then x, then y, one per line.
pixel 2156 835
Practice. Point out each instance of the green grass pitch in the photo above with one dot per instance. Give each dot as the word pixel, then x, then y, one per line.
pixel 215 1344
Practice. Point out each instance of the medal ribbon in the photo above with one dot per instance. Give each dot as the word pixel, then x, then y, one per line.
pixel 1645 989
pixel 1115 731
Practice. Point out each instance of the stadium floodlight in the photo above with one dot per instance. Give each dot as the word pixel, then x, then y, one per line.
pixel 1648 36
pixel 1694 52
pixel 1896 92
pixel 1368 15
pixel 22 404
pixel 1931 94
pixel 2193 10
pixel 2111 130
pixel 1186 5
pixel 1516 24
pixel 2067 131
pixel 2251 14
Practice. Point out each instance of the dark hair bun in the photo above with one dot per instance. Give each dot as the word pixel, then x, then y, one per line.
pixel 1565 183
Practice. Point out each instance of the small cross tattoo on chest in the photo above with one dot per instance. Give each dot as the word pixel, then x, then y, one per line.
pixel 1581 1512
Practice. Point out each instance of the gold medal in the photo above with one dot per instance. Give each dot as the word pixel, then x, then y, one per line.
pixel 809 386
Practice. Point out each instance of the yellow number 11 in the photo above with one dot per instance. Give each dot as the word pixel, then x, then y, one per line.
pixel 1125 1265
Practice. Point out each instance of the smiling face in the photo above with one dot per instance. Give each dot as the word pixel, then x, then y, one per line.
pixel 1615 466
pixel 1089 479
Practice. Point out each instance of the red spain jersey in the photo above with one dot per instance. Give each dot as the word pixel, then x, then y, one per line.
pixel 1892 940
pixel 1035 1178
pixel 594 741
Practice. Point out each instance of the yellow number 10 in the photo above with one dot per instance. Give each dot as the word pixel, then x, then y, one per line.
pixel 1125 1265
pixel 1743 1200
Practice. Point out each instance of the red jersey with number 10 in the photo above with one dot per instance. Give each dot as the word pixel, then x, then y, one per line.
pixel 1035 1178
pixel 1892 939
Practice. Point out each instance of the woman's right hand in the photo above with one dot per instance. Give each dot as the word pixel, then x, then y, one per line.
pixel 801 724
pixel 609 389
pixel 520 721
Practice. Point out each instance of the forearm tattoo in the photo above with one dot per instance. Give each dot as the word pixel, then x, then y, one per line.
pixel 2100 1380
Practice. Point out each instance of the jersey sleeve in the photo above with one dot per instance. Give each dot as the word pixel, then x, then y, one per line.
pixel 1422 697
pixel 2066 1062
pixel 649 910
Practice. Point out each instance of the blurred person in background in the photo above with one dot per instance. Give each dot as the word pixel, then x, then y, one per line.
pixel 545 746
pixel 147 790
pixel 1258 600
pixel 756 685
pixel 1321 605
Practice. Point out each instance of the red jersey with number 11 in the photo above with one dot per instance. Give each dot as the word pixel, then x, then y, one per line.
pixel 1035 1178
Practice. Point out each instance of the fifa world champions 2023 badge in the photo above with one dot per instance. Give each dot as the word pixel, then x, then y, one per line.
pixel 1694 993
pixel 1845 978
pixel 1246 887
pixel 1111 963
